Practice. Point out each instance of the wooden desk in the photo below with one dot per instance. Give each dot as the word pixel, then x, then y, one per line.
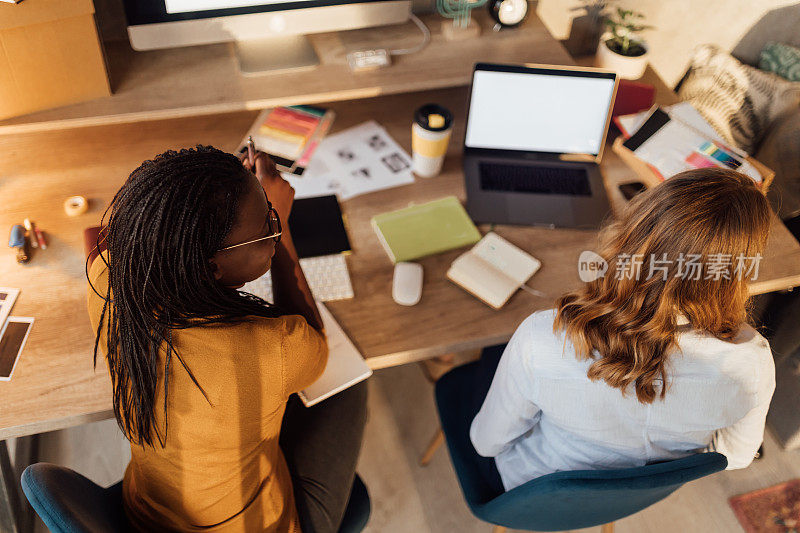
pixel 54 385
pixel 182 82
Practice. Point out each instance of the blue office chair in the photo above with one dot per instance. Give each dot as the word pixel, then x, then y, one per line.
pixel 559 501
pixel 67 502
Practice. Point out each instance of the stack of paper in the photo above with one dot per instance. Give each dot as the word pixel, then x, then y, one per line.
pixel 680 140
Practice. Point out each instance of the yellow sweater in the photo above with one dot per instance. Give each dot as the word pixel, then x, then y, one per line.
pixel 221 468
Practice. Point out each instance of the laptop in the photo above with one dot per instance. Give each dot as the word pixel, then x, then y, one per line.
pixel 534 138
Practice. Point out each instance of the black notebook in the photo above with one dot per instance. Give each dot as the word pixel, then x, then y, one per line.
pixel 317 227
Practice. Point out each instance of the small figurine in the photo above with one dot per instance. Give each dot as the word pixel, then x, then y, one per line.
pixel 17 240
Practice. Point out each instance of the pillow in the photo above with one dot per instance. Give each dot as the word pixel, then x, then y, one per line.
pixel 782 59
pixel 738 100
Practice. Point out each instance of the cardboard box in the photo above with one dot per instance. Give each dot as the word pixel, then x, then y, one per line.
pixel 50 55
pixel 650 178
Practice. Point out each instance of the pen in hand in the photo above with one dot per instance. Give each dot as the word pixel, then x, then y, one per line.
pixel 251 152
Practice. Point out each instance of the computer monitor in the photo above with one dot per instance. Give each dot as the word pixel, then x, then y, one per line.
pixel 269 35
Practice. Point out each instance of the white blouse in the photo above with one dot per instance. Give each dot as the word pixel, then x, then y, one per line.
pixel 543 414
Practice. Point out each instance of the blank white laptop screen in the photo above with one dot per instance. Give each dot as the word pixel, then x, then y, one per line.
pixel 538 112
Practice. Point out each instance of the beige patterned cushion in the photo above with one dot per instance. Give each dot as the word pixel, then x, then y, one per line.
pixel 738 100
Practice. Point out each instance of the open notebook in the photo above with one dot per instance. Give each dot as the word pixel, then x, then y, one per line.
pixel 345 367
pixel 493 270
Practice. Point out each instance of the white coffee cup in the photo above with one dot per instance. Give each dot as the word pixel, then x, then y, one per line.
pixel 430 135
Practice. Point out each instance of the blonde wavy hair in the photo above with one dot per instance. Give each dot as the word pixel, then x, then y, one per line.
pixel 626 325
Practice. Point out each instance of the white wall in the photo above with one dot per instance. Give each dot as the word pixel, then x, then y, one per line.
pixel 680 25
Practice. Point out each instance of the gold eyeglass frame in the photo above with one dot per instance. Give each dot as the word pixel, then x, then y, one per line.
pixel 270 211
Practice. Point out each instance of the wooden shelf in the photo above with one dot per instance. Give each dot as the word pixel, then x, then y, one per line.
pixel 181 82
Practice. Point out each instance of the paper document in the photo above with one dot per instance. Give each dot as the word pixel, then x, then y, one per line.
pixel 7 298
pixel 355 161
pixel 685 143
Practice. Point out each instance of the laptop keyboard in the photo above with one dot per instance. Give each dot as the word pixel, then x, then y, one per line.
pixel 570 181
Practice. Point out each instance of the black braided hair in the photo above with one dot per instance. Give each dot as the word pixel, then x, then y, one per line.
pixel 168 219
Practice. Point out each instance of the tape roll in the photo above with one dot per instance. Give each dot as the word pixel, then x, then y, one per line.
pixel 75 205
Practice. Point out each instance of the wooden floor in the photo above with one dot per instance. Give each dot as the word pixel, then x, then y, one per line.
pixel 409 499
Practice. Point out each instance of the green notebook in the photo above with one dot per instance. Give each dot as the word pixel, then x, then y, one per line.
pixel 425 229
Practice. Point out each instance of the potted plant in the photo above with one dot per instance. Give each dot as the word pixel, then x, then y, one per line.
pixel 621 49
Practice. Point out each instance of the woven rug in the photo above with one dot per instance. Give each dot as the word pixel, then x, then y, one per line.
pixel 772 510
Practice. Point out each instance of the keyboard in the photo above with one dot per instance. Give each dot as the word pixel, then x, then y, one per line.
pixel 539 179
pixel 327 277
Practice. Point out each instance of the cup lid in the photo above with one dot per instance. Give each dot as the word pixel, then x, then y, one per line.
pixel 426 117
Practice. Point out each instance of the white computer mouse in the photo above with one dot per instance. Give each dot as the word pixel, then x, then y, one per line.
pixel 407 283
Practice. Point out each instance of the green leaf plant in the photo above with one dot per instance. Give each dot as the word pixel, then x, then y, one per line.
pixel 624 25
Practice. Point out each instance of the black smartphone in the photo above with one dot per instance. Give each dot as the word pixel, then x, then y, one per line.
pixel 629 190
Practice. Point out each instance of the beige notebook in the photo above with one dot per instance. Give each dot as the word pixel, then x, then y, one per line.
pixel 493 270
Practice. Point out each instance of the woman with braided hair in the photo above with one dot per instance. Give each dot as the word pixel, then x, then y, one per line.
pixel 204 375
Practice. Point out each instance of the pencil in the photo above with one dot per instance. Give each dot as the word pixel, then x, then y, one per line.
pixel 251 152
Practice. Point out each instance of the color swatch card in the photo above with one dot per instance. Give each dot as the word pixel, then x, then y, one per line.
pixel 711 154
pixel 290 135
pixel 355 161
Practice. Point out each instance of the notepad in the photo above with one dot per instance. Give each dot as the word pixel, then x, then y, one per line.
pixel 318 227
pixel 493 270
pixel 345 367
pixel 425 229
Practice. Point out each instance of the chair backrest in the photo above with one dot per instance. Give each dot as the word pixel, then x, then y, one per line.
pixel 67 502
pixel 585 498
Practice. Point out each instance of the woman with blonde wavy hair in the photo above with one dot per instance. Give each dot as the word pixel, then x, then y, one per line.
pixel 654 360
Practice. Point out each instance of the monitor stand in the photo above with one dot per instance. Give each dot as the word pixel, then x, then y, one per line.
pixel 275 55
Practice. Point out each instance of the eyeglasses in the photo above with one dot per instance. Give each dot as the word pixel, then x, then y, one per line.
pixel 274 222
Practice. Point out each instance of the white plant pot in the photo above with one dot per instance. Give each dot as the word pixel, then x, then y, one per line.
pixel 630 68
